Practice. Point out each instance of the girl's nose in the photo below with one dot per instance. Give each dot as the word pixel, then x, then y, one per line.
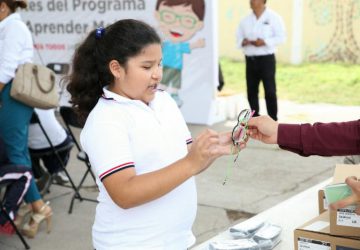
pixel 157 74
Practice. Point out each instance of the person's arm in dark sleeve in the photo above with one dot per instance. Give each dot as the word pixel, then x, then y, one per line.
pixel 325 139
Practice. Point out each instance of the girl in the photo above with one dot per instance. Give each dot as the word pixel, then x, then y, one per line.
pixel 137 141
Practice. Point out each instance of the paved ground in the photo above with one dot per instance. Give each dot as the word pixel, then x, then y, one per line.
pixel 265 176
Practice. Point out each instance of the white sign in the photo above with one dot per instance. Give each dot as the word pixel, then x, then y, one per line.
pixel 192 75
pixel 310 244
pixel 347 217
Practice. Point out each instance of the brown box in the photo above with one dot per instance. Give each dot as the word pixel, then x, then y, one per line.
pixel 323 205
pixel 315 235
pixel 345 222
pixel 342 171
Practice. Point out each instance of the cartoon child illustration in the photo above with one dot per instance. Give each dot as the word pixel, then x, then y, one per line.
pixel 179 21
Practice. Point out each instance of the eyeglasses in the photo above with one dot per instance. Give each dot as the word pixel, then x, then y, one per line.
pixel 239 135
pixel 169 17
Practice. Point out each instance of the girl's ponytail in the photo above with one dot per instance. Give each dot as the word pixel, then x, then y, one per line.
pixel 84 84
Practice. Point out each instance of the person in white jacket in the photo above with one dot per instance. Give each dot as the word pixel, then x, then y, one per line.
pixel 16 48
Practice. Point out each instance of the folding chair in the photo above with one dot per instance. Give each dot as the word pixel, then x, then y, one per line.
pixel 70 120
pixel 55 151
pixel 4 186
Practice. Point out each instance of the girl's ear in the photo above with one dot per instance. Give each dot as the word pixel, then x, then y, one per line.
pixel 2 6
pixel 115 68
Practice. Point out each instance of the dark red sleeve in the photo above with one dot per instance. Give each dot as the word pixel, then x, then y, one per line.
pixel 325 139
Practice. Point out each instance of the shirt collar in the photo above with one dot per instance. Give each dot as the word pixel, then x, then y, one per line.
pixel 9 18
pixel 262 15
pixel 109 95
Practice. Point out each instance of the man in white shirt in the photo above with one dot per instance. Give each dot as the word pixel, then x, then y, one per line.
pixel 258 35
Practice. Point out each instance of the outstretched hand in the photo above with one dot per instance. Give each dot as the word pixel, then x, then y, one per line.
pixel 210 145
pixel 202 150
pixel 354 184
pixel 226 147
pixel 264 129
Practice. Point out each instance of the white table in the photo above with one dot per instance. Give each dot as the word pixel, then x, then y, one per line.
pixel 288 214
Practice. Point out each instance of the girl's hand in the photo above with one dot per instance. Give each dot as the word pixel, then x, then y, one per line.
pixel 226 146
pixel 203 151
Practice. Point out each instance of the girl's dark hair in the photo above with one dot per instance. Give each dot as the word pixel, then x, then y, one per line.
pixel 90 67
pixel 13 5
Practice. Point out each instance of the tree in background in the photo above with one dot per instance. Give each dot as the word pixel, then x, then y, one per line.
pixel 342 46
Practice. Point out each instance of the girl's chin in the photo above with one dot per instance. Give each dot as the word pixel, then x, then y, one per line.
pixel 149 98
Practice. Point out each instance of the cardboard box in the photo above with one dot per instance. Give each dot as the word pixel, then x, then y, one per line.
pixel 342 171
pixel 323 205
pixel 315 235
pixel 344 222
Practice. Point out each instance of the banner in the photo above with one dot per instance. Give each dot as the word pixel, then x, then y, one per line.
pixel 189 33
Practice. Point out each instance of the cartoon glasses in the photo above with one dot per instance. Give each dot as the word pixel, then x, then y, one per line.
pixel 169 17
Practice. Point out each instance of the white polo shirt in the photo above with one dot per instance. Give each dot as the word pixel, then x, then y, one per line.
pixel 121 133
pixel 16 46
pixel 56 133
pixel 269 27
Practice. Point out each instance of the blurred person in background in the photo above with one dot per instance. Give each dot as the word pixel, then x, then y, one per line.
pixel 38 143
pixel 17 179
pixel 16 48
pixel 258 35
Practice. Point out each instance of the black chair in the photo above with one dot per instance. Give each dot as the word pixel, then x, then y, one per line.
pixel 71 121
pixel 4 186
pixel 54 151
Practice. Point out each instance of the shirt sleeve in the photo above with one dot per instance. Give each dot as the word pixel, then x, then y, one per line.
pixel 279 34
pixel 186 131
pixel 324 139
pixel 109 151
pixel 187 134
pixel 10 55
pixel 240 35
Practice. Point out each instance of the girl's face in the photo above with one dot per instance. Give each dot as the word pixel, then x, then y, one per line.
pixel 142 75
pixel 4 11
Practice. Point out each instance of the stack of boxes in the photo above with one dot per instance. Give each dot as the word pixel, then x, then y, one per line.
pixel 331 230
